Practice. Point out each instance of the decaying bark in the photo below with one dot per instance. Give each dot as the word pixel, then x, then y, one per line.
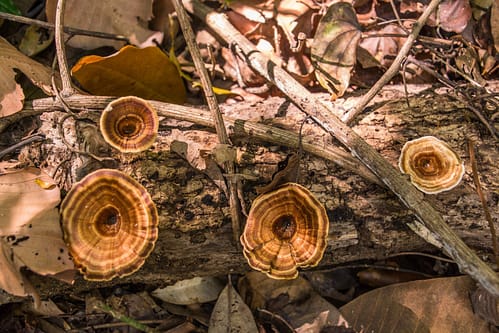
pixel 367 221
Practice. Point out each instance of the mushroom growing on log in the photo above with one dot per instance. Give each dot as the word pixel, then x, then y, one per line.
pixel 286 228
pixel 129 124
pixel 432 165
pixel 110 225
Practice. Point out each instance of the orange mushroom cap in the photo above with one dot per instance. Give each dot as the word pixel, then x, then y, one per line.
pixel 432 165
pixel 129 124
pixel 110 224
pixel 286 228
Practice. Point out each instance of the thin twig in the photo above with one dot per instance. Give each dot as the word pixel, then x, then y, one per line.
pixel 68 30
pixel 67 88
pixel 413 199
pixel 395 66
pixel 488 217
pixel 22 143
pixel 211 99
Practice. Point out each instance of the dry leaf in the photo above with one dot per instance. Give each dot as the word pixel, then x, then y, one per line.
pixel 23 200
pixel 146 73
pixel 11 94
pixel 11 279
pixel 436 305
pixel 35 40
pixel 230 314
pixel 40 246
pixel 127 18
pixel 288 172
pixel 384 48
pixel 191 291
pixel 334 48
pixel 32 236
pixel 294 300
pixel 196 147
pixel 454 15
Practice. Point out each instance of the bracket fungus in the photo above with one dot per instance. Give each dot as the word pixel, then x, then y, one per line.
pixel 110 224
pixel 286 228
pixel 432 165
pixel 129 124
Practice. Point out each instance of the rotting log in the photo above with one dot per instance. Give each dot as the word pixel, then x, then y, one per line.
pixel 367 221
pixel 428 217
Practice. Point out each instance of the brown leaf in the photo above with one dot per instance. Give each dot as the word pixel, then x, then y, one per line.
pixel 294 300
pixel 384 48
pixel 334 48
pixel 190 291
pixel 11 279
pixel 11 94
pixel 127 18
pixel 146 73
pixel 436 305
pixel 230 314
pixel 35 40
pixel 288 172
pixel 32 236
pixel 454 15
pixel 23 200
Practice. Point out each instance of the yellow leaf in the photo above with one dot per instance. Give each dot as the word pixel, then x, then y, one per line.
pixel 146 73
pixel 45 184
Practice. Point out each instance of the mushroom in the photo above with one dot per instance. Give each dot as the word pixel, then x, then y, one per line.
pixel 432 165
pixel 129 124
pixel 110 225
pixel 286 228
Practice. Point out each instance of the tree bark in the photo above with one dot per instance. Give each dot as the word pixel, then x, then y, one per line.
pixel 366 220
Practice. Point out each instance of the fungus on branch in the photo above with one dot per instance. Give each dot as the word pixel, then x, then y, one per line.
pixel 129 124
pixel 110 224
pixel 432 165
pixel 286 228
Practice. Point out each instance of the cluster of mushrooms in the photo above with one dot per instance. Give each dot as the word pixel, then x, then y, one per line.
pixel 109 220
pixel 287 228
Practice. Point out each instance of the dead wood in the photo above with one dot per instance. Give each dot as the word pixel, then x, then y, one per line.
pixel 367 220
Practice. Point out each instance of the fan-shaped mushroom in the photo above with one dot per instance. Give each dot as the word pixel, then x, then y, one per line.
pixel 110 224
pixel 286 228
pixel 129 124
pixel 432 165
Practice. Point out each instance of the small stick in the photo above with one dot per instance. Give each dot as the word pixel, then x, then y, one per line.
pixel 24 142
pixel 69 30
pixel 67 88
pixel 479 191
pixel 395 66
pixel 211 99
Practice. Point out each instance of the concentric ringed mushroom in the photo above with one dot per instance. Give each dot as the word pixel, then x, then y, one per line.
pixel 110 225
pixel 432 165
pixel 286 228
pixel 129 124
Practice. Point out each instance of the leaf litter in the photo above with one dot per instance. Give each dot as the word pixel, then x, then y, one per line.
pixel 294 304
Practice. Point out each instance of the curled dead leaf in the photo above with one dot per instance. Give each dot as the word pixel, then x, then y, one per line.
pixel 11 93
pixel 334 48
pixel 145 73
pixel 31 235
